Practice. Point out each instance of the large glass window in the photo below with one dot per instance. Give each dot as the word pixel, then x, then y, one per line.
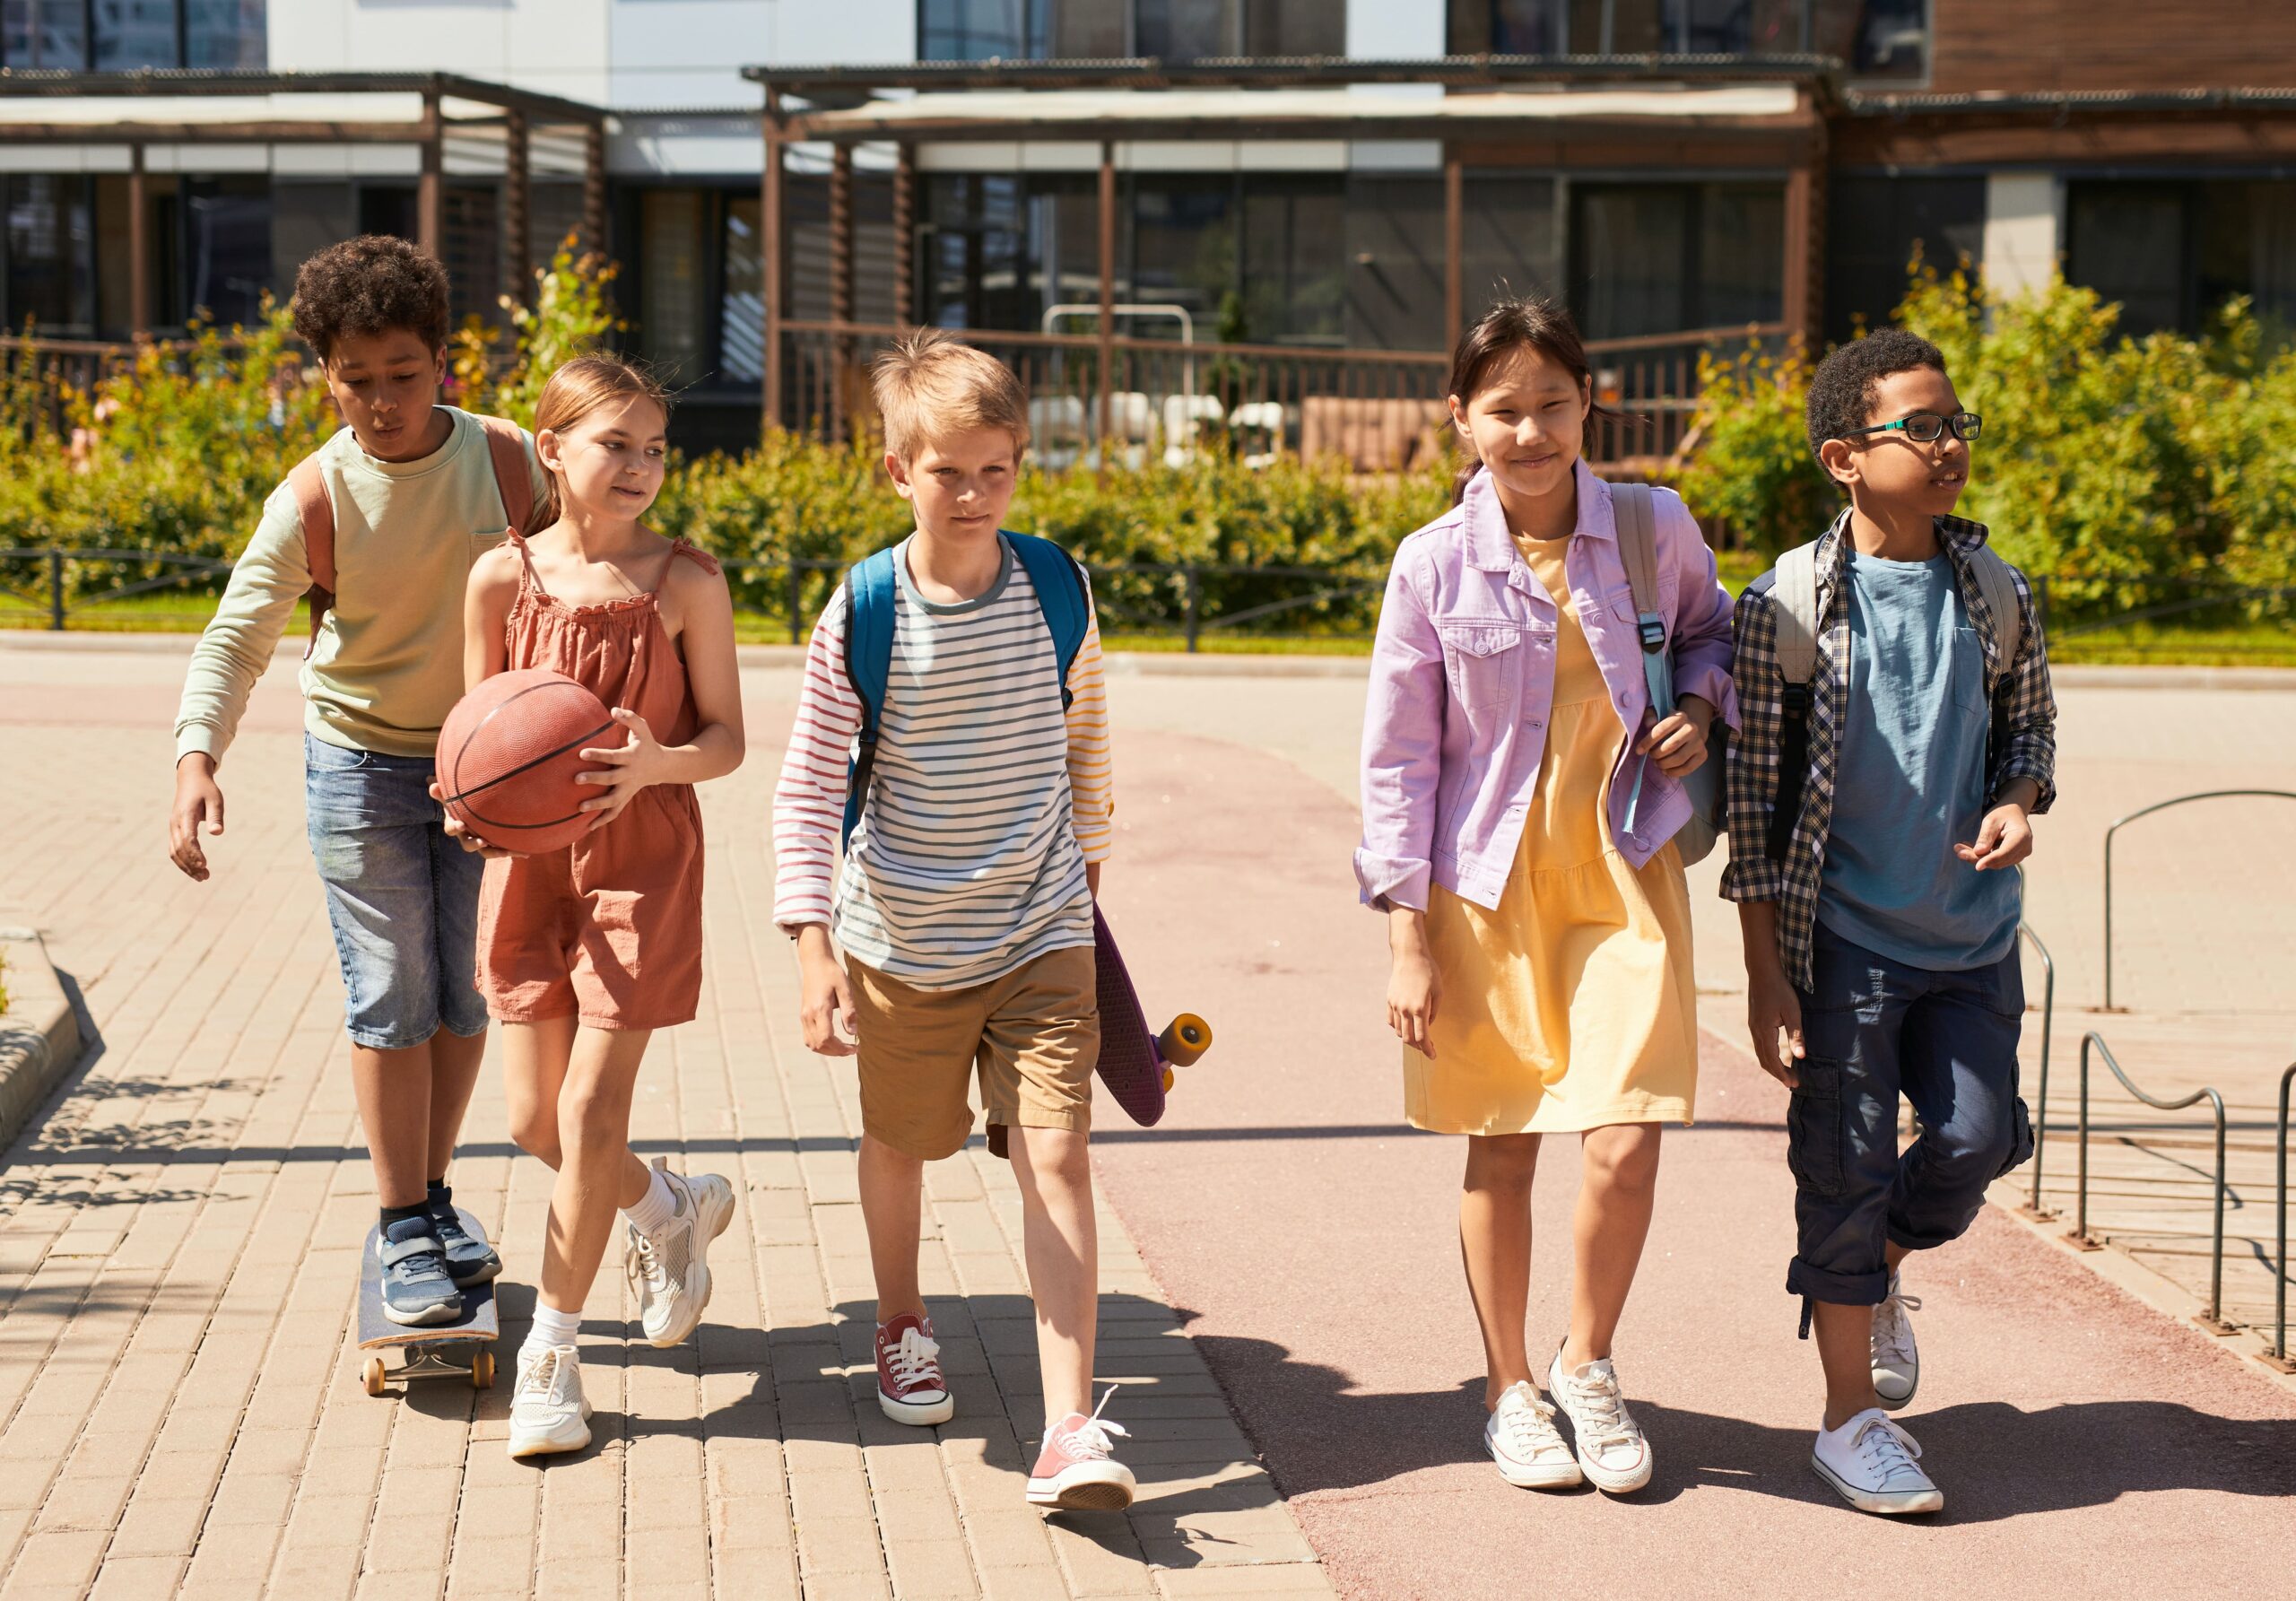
pixel 1624 27
pixel 1880 38
pixel 1294 261
pixel 672 290
pixel 742 343
pixel 2170 254
pixel 1660 259
pixel 1395 248
pixel 2248 247
pixel 227 247
pixel 1173 30
pixel 113 36
pixel 1510 240
pixel 50 274
pixel 1874 226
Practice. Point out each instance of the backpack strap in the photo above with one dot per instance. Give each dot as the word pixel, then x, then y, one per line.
pixel 1793 605
pixel 316 512
pixel 1060 584
pixel 1998 584
pixel 506 444
pixel 869 617
pixel 1638 549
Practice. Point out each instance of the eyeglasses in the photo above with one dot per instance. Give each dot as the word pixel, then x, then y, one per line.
pixel 1926 428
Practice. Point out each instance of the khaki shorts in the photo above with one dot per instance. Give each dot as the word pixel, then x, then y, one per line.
pixel 1033 1035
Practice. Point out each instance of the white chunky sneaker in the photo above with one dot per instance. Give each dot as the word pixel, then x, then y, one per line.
pixel 670 1276
pixel 1871 1461
pixel 547 1412
pixel 1521 1437
pixel 1897 1361
pixel 1611 1449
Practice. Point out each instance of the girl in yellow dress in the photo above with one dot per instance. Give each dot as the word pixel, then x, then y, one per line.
pixel 1521 798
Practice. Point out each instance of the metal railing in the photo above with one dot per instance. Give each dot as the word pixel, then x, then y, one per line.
pixel 2040 1091
pixel 2079 1233
pixel 2279 1351
pixel 1378 411
pixel 62 570
pixel 2147 812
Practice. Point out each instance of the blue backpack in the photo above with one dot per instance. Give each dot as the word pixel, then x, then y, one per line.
pixel 869 590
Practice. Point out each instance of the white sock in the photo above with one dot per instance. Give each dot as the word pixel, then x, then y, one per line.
pixel 653 1211
pixel 551 1327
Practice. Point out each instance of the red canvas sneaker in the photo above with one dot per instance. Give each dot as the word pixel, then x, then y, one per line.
pixel 1074 1471
pixel 909 1386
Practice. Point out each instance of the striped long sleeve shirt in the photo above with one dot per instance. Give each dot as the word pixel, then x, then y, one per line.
pixel 986 803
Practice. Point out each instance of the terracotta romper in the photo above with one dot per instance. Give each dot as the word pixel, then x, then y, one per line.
pixel 609 928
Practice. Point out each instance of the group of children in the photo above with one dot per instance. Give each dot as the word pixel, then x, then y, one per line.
pixel 944 810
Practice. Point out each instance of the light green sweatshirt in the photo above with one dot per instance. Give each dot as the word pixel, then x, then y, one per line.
pixel 389 663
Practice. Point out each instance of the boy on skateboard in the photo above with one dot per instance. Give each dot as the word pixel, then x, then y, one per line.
pixel 1898 732
pixel 385 520
pixel 964 665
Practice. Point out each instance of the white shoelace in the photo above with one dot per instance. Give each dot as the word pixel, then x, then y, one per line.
pixel 545 1377
pixel 1887 1451
pixel 1892 1333
pixel 918 1356
pixel 1597 1410
pixel 1090 1440
pixel 643 1268
pixel 1529 1428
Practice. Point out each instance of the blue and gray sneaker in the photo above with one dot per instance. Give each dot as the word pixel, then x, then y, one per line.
pixel 416 1287
pixel 469 1260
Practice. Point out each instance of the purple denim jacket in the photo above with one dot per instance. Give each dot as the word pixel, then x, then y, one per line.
pixel 1463 680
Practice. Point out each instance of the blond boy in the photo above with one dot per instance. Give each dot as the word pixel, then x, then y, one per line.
pixel 963 906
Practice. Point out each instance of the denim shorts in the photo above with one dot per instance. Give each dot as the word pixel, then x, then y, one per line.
pixel 402 896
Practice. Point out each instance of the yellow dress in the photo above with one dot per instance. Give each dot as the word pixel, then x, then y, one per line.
pixel 1573 1006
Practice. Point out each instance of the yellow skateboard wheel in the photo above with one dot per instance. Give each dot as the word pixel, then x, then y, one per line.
pixel 1168 1081
pixel 482 1370
pixel 374 1376
pixel 1185 1039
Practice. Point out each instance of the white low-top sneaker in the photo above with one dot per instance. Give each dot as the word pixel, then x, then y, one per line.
pixel 1871 1461
pixel 548 1414
pixel 1897 1359
pixel 1612 1448
pixel 670 1276
pixel 1522 1438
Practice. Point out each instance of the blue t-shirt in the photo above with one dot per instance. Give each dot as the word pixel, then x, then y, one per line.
pixel 1910 784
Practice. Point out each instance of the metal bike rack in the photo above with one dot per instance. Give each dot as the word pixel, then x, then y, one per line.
pixel 2079 1235
pixel 2180 800
pixel 2278 1355
pixel 2035 1210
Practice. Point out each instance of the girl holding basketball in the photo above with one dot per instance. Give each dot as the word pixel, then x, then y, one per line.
pixel 585 950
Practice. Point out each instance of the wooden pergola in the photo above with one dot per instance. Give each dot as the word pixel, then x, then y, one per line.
pixel 1707 113
pixel 514 111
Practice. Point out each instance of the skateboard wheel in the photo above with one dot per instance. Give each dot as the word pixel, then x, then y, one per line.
pixel 482 1370
pixel 373 1374
pixel 1185 1039
pixel 1168 1081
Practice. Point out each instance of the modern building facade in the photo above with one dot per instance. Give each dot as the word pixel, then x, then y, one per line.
pixel 1319 174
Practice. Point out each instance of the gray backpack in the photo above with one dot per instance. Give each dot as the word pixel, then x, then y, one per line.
pixel 1795 604
pixel 1637 547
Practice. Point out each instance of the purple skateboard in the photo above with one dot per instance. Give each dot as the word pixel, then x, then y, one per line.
pixel 1136 1064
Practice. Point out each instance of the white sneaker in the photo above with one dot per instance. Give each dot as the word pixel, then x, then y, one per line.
pixel 1897 1361
pixel 1074 1469
pixel 670 1276
pixel 1870 1459
pixel 1521 1437
pixel 1611 1449
pixel 548 1412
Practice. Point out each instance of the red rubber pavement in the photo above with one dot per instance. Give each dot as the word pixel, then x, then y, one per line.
pixel 2087 1444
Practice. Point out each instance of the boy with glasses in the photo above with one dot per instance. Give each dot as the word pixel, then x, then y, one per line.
pixel 1898 732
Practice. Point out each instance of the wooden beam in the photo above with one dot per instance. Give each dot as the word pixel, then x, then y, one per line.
pixel 840 279
pixel 905 235
pixel 139 247
pixel 771 208
pixel 594 187
pixel 1454 236
pixel 430 188
pixel 1107 298
pixel 517 247
pixel 1802 305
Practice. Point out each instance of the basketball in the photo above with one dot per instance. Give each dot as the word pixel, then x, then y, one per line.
pixel 508 753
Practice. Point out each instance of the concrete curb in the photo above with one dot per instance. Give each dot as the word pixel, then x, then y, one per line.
pixel 40 1034
pixel 1177 663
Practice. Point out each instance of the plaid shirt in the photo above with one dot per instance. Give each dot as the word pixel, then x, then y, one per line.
pixel 2027 751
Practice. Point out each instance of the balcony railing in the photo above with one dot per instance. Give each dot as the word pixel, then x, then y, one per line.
pixel 1378 411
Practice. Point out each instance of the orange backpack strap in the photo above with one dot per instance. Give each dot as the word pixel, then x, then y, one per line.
pixel 506 443
pixel 317 514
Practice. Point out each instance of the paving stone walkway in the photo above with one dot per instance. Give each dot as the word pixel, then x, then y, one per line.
pixel 181 1408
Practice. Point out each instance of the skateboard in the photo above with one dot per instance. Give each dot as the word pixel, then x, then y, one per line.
pixel 1136 1064
pixel 463 1349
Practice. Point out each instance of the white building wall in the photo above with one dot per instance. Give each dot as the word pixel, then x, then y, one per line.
pixel 1393 30
pixel 2024 230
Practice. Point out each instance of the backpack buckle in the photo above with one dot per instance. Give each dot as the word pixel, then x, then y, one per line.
pixel 1797 699
pixel 1653 632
